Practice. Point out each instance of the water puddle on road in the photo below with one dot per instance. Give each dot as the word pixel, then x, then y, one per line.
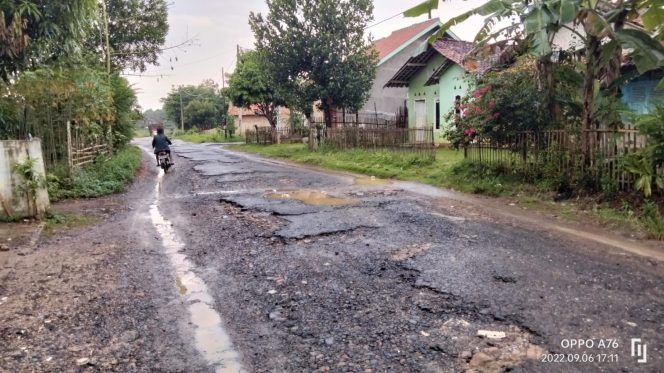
pixel 212 341
pixel 312 198
pixel 369 181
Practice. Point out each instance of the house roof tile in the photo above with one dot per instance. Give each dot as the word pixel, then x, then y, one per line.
pixel 456 51
pixel 387 45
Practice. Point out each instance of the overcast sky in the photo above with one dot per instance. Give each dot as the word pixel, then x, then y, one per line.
pixel 218 26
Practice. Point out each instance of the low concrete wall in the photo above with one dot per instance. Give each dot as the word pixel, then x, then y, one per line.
pixel 13 203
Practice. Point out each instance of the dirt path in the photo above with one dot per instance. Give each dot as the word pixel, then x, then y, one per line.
pixel 99 297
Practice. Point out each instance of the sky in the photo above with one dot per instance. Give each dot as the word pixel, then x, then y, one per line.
pixel 217 27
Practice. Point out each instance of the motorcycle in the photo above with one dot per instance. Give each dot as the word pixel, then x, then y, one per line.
pixel 164 160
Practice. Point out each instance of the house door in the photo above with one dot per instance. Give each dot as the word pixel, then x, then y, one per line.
pixel 420 119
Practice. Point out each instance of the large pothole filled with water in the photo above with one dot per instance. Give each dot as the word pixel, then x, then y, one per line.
pixel 312 198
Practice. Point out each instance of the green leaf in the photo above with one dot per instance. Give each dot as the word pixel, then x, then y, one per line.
pixel 567 10
pixel 422 8
pixel 653 17
pixel 541 43
pixel 646 52
pixel 660 85
pixel 536 20
pixel 495 7
pixel 660 182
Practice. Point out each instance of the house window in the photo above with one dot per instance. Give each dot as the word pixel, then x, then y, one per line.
pixel 437 115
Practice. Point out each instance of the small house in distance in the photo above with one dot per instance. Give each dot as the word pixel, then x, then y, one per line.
pixel 154 126
pixel 248 119
pixel 435 76
pixel 394 51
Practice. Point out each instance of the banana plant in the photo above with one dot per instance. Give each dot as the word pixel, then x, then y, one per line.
pixel 641 165
pixel 605 28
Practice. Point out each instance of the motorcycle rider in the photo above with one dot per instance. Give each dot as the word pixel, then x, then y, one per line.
pixel 160 143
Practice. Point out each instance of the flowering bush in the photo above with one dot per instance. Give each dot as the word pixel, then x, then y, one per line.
pixel 503 103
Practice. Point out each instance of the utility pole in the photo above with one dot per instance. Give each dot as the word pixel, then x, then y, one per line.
pixel 223 79
pixel 181 111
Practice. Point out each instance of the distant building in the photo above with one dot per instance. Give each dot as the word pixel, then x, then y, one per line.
pixel 247 119
pixel 394 51
pixel 153 126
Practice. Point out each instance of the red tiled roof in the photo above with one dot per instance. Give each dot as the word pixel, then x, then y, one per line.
pixel 397 38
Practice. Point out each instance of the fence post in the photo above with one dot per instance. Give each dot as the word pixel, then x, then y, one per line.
pixel 70 159
pixel 524 147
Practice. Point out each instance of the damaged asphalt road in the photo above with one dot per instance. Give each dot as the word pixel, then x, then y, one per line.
pixel 314 271
pixel 234 263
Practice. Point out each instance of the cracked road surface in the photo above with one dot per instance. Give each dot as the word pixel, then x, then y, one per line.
pixel 315 271
pixel 234 263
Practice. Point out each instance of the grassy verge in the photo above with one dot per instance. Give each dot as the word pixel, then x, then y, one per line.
pixel 57 221
pixel 205 136
pixel 383 164
pixel 107 175
pixel 141 133
pixel 449 170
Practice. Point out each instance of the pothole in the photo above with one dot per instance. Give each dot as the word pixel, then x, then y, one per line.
pixel 411 251
pixel 492 348
pixel 181 287
pixel 371 181
pixel 312 198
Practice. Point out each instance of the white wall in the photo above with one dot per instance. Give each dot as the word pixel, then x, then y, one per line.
pixel 11 153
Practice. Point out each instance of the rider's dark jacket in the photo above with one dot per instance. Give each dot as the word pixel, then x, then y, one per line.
pixel 161 142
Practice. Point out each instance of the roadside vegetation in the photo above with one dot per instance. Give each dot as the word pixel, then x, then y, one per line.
pixel 57 221
pixel 449 170
pixel 210 136
pixel 62 80
pixel 107 175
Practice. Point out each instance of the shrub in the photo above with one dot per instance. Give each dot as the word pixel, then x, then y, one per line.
pixel 107 175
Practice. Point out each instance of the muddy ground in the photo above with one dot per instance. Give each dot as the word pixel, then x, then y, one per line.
pixel 98 297
pixel 378 278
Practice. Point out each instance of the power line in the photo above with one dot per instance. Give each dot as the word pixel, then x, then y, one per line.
pixel 383 21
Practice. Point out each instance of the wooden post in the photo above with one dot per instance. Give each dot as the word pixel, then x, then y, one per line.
pixel 70 160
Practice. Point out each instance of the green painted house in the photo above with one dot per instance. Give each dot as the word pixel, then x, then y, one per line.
pixel 435 76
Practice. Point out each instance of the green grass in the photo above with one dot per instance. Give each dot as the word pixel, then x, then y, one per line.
pixel 450 170
pixel 141 133
pixel 106 176
pixel 383 164
pixel 211 136
pixel 55 221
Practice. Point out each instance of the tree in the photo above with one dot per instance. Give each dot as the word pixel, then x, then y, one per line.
pixel 137 32
pixel 251 86
pixel 36 31
pixel 125 107
pixel 178 101
pixel 317 51
pixel 201 113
